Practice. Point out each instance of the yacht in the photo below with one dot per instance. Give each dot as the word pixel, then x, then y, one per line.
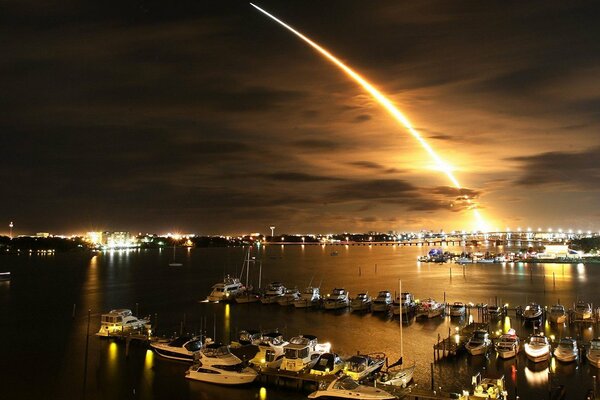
pixel 226 290
pixel 479 343
pixel 308 298
pixel 270 350
pixel 486 388
pixel 457 309
pixel 273 293
pixel 507 345
pixel 537 348
pixel 361 366
pixel 382 302
pixel 346 388
pixel 289 297
pixel 430 308
pixel 249 337
pixel 557 314
pixel 593 353
pixel 337 299
pixel 362 302
pixel 301 353
pixel 182 348
pixel 532 312
pixel 567 350
pixel 217 365
pixel 327 364
pixel 583 311
pixel 408 304
pixel 120 321
pixel 397 376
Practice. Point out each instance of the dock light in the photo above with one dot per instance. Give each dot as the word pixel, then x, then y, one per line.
pixel 262 360
pixel 552 337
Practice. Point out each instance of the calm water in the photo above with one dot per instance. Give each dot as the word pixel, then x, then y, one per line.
pixel 44 346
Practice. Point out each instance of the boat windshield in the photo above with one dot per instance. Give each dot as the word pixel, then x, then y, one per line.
pixel 346 384
pixel 357 364
pixel 480 336
pixel 567 344
pixel 595 345
pixel 299 340
pixel 234 368
pixel 557 309
pixel 296 353
pixel 221 351
pixel 539 340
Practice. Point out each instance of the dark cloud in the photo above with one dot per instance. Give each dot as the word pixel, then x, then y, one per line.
pixel 319 144
pixel 362 118
pixel 579 170
pixel 298 177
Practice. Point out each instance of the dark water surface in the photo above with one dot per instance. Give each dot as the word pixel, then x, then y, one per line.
pixel 43 346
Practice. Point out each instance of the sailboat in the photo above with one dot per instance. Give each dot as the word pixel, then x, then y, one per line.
pixel 396 374
pixel 174 263
pixel 248 295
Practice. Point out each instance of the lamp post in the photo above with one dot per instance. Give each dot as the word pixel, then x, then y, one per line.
pixel 10 226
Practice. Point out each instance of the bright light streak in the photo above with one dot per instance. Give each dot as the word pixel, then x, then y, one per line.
pixel 386 103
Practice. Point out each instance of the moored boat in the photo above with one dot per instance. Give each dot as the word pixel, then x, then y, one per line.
pixel 308 298
pixel 430 308
pixel 537 348
pixel 182 348
pixel 217 365
pixel 120 321
pixel 345 387
pixel 226 290
pixel 404 303
pixel 327 364
pixel 397 376
pixel 289 297
pixel 302 352
pixel 567 350
pixel 361 366
pixel 337 299
pixel 382 302
pixel 593 353
pixel 532 312
pixel 583 311
pixel 273 293
pixel 457 309
pixel 270 350
pixel 479 343
pixel 507 345
pixel 362 302
pixel 557 314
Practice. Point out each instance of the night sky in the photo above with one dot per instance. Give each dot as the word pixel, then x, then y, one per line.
pixel 208 117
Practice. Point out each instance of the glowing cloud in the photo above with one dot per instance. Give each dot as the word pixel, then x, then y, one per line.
pixel 383 101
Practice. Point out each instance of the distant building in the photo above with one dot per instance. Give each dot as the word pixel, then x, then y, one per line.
pixel 42 234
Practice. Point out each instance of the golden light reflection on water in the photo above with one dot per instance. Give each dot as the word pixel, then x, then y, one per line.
pixel 226 324
pixel 112 353
pixel 149 359
pixel 262 393
pixel 536 378
pixel 507 325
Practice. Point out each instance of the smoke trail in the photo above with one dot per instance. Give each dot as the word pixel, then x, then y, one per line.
pixel 383 101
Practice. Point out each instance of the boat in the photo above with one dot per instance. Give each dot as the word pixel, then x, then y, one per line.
pixel 182 348
pixel 362 302
pixel 382 302
pixel 337 299
pixel 593 353
pixel 430 308
pixel 4 276
pixel 217 365
pixel 486 388
pixel 397 376
pixel 308 298
pixel 463 260
pixel 270 350
pixel 537 348
pixel 346 388
pixel 273 293
pixel 407 300
pixel 333 253
pixel 175 263
pixel 479 343
pixel 120 321
pixel 557 314
pixel 302 352
pixel 248 294
pixel 248 337
pixel 494 311
pixel 226 290
pixel 507 345
pixel 567 350
pixel 532 312
pixel 361 366
pixel 583 311
pixel 289 297
pixel 457 309
pixel 327 364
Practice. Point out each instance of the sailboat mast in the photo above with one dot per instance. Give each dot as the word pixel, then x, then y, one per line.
pixel 401 341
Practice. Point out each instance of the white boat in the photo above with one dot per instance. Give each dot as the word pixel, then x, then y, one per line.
pixel 248 337
pixel 508 345
pixel 593 353
pixel 405 303
pixel 583 311
pixel 182 348
pixel 273 293
pixel 226 290
pixel 362 366
pixel 337 299
pixel 120 321
pixel 382 302
pixel 537 348
pixel 430 308
pixel 567 350
pixel 270 350
pixel 532 312
pixel 458 309
pixel 463 260
pixel 557 314
pixel 301 353
pixel 479 343
pixel 308 298
pixel 397 376
pixel 217 365
pixel 327 364
pixel 289 297
pixel 346 388
pixel 362 302
pixel 486 388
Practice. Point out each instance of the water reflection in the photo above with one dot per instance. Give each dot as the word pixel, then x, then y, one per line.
pixel 536 376
pixel 262 393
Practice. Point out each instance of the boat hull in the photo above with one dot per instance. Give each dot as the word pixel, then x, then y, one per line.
pixel 303 303
pixel 507 354
pixel 329 305
pixel 477 350
pixel 380 307
pixel 246 376
pixel 565 357
pixel 537 357
pixel 593 359
pixel 172 355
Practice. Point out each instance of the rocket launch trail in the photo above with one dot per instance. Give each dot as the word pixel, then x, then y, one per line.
pixel 384 102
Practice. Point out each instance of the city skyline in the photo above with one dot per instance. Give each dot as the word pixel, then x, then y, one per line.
pixel 208 118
